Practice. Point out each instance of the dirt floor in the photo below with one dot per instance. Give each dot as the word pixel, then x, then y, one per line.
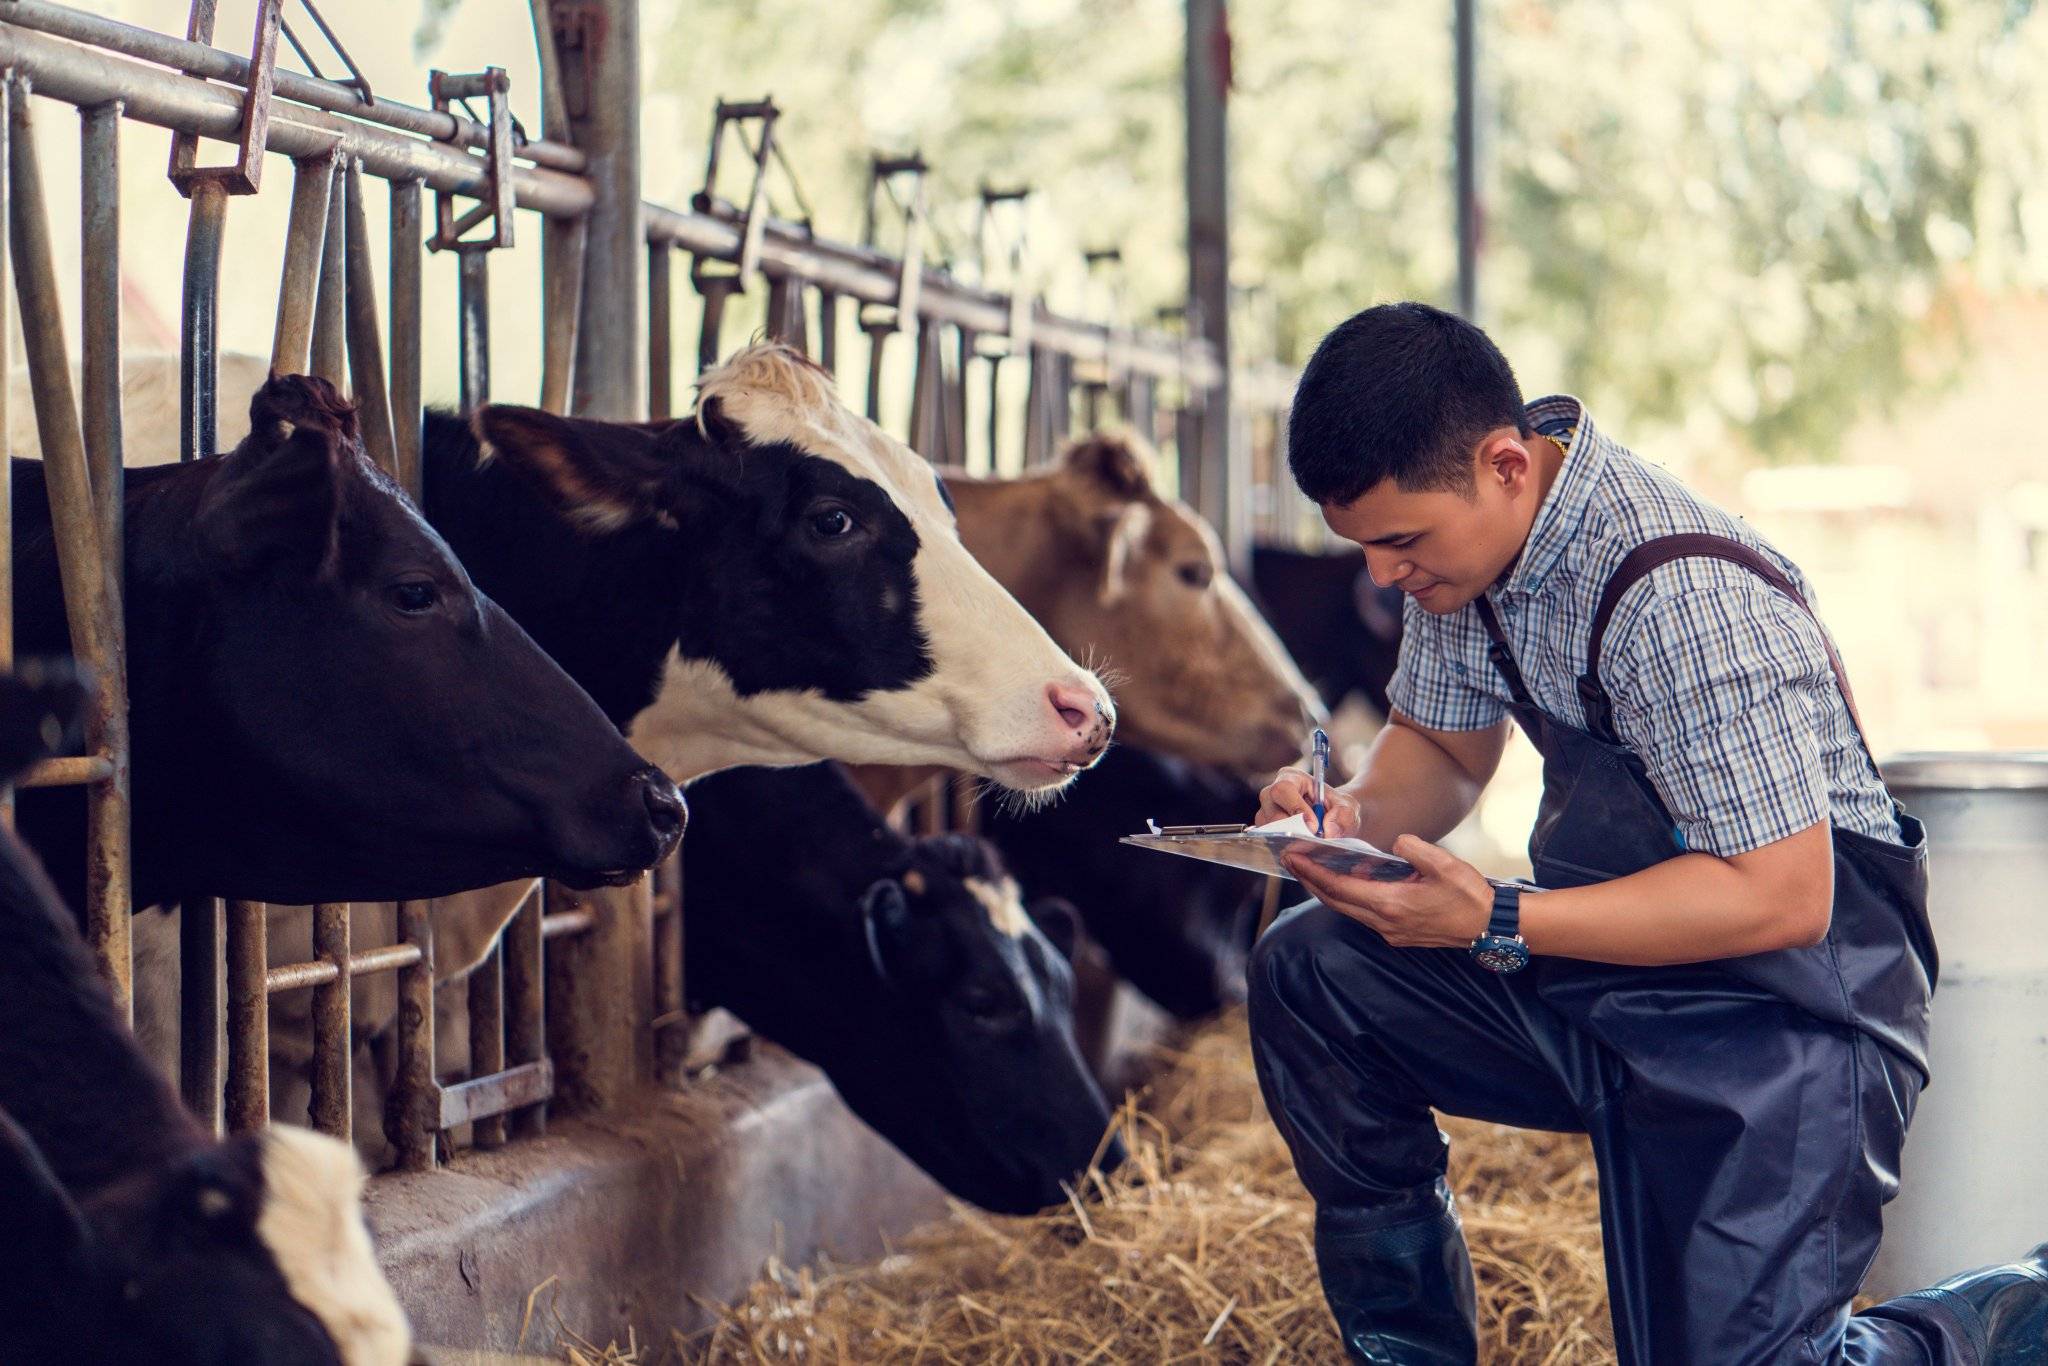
pixel 1196 1250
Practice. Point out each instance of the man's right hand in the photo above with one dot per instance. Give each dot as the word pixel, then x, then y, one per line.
pixel 1292 791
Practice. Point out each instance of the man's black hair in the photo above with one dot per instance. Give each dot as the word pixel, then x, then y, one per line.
pixel 1403 392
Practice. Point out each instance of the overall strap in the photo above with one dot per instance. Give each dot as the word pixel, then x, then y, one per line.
pixel 1503 658
pixel 1653 554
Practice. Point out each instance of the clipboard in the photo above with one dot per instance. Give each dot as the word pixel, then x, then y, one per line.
pixel 1259 849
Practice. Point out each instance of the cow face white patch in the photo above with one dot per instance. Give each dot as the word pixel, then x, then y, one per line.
pixel 312 1225
pixel 1004 904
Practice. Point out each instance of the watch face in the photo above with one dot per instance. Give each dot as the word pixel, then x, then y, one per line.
pixel 1502 955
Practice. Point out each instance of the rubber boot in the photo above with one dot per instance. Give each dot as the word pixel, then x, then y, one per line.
pixel 1399 1281
pixel 1994 1316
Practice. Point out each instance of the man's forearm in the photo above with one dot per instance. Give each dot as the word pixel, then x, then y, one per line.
pixel 1411 785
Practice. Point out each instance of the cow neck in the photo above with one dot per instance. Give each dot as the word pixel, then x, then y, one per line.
pixel 71 1074
pixel 697 725
pixel 1004 525
pixel 602 606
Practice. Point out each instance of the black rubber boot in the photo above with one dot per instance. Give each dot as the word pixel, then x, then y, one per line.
pixel 1399 1281
pixel 1994 1316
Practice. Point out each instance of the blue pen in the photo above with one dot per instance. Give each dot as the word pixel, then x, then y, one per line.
pixel 1319 768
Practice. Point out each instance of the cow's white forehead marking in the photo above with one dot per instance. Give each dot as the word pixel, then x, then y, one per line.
pixel 776 395
pixel 312 1225
pixel 1004 904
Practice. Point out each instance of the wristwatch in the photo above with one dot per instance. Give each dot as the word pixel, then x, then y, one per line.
pixel 1499 948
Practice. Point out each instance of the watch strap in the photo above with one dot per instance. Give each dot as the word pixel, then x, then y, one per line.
pixel 1507 913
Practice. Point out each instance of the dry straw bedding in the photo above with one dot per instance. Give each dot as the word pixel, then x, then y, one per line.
pixel 1196 1250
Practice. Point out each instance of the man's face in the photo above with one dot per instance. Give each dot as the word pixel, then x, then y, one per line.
pixel 1445 547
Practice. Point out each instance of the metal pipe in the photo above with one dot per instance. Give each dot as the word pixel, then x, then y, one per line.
pixel 305 244
pixel 248 1102
pixel 86 76
pixel 406 246
pixel 294 976
pixel 414 1117
pixel 660 331
pixel 1465 138
pixel 365 344
pixel 330 324
pixel 91 603
pixel 211 63
pixel 525 1000
pixel 561 270
pixel 100 263
pixel 610 363
pixel 67 771
pixel 879 332
pixel 198 320
pixel 6 368
pixel 716 289
pixel 473 305
pixel 332 1042
pixel 828 331
pixel 578 920
pixel 786 312
pixel 487 1038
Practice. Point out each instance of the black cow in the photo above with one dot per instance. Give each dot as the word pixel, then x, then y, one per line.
pixel 1176 929
pixel 908 970
pixel 1343 629
pixel 128 1233
pixel 322 706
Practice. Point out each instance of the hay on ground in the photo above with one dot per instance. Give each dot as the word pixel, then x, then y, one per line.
pixel 1197 1250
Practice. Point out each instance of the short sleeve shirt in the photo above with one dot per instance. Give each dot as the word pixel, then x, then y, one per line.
pixel 1720 684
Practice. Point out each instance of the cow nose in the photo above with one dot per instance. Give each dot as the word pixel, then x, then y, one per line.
pixel 1078 707
pixel 666 814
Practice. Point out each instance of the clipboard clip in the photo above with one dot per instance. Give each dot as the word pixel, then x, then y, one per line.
pixel 1159 829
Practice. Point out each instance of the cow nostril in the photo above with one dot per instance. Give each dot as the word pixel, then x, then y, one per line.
pixel 1073 705
pixel 665 809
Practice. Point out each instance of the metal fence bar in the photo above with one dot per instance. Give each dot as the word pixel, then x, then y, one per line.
pixel 416 1098
pixel 7 97
pixel 487 1038
pixel 561 268
pixel 332 1041
pixel 330 325
pixel 526 1004
pixel 365 344
pixel 473 303
pixel 305 243
pixel 407 229
pixel 248 1098
pixel 660 331
pixel 99 164
pixel 91 604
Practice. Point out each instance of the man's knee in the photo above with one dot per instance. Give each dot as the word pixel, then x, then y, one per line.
pixel 1302 952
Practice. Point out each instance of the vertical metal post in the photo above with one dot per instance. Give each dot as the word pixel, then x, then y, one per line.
pixel 473 302
pixel 716 289
pixel 7 96
pixel 525 1004
pixel 202 926
pixel 487 1037
pixel 1208 191
pixel 561 275
pixel 365 344
pixel 91 603
pixel 1467 158
pixel 405 332
pixel 609 362
pixel 828 331
pixel 660 330
pixel 415 1115
pixel 879 332
pixel 330 324
pixel 305 242
pixel 927 400
pixel 100 261
pixel 332 1040
pixel 786 312
pixel 248 1102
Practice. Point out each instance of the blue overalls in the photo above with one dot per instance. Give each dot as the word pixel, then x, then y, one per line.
pixel 1746 1115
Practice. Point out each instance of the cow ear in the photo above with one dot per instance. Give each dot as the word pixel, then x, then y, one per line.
pixel 602 476
pixel 1113 461
pixel 275 502
pixel 1120 535
pixel 46 1257
pixel 1058 921
pixel 885 921
pixel 39 706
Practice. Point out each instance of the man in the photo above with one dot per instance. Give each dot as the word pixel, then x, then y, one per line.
pixel 1727 987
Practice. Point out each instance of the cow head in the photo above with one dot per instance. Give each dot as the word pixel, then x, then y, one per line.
pixel 1136 583
pixel 250 1250
pixel 984 1086
pixel 362 721
pixel 822 604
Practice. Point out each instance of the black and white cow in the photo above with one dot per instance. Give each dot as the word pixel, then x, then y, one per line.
pixel 909 970
pixel 1343 629
pixel 127 1233
pixel 1178 929
pixel 322 705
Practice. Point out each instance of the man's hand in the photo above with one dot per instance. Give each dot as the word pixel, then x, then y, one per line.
pixel 1446 905
pixel 1293 790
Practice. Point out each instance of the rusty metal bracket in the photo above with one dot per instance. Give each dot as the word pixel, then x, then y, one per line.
pixel 884 173
pixel 578 28
pixel 245 176
pixel 753 222
pixel 997 204
pixel 495 208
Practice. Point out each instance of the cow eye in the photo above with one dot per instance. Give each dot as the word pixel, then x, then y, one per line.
pixel 414 597
pixel 831 523
pixel 1196 573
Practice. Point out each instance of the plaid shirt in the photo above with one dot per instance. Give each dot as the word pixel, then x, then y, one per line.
pixel 1720 684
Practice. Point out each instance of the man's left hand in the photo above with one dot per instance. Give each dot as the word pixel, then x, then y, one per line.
pixel 1446 905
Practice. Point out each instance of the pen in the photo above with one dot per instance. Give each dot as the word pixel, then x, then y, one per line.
pixel 1319 767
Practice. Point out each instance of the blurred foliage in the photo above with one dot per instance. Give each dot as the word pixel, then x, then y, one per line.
pixel 1733 219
